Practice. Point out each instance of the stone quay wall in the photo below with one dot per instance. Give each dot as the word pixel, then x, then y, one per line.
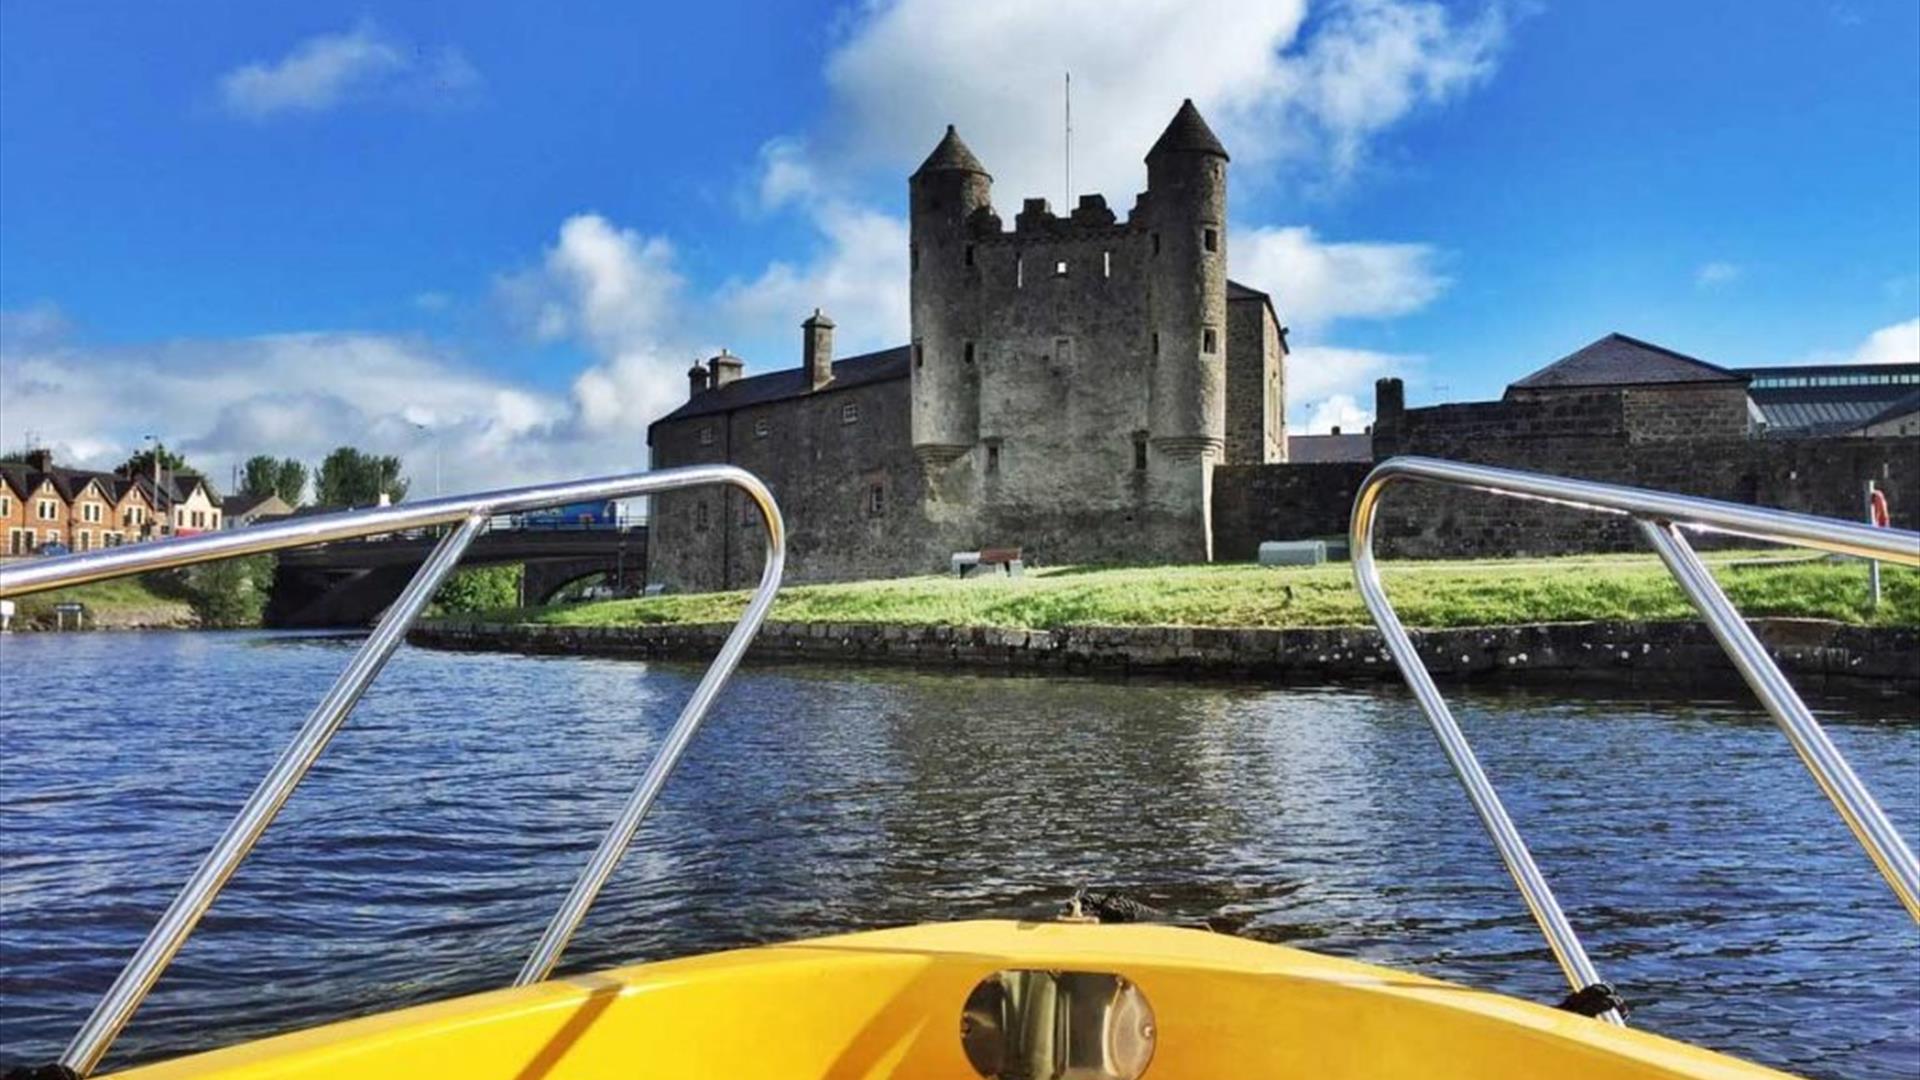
pixel 1813 652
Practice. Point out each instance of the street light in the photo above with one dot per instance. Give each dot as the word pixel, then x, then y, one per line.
pixel 435 434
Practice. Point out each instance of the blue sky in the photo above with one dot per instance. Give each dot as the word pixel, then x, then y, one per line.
pixel 503 231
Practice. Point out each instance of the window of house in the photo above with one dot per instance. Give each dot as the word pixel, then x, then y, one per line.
pixel 19 542
pixel 86 541
pixel 969 255
pixel 706 435
pixel 919 354
pixel 967 352
pixel 1060 268
pixel 115 539
pixel 700 515
pixel 1209 341
pixel 1210 239
pixel 48 510
pixel 1106 264
pixel 1139 452
pixel 876 500
pixel 52 537
pixel 850 413
pixel 6 506
pixel 993 457
pixel 762 428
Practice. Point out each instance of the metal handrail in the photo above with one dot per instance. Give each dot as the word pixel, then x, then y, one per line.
pixel 469 513
pixel 1660 516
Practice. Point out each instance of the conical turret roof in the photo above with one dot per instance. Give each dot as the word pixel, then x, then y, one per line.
pixel 1188 133
pixel 952 155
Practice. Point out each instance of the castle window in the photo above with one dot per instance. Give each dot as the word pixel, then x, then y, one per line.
pixel 850 413
pixel 919 354
pixel 700 515
pixel 746 512
pixel 706 435
pixel 993 457
pixel 969 255
pixel 1019 273
pixel 1060 268
pixel 1156 243
pixel 913 256
pixel 1063 349
pixel 876 500
pixel 1156 343
pixel 1106 264
pixel 1139 452
pixel 1210 239
pixel 1209 341
pixel 762 428
pixel 967 351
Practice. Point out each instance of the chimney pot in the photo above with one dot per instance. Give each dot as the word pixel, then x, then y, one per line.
pixel 816 349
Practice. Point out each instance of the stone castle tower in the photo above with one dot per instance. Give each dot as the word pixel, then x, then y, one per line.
pixel 1068 377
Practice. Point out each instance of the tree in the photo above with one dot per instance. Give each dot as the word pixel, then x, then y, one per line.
pixel 267 475
pixel 141 464
pixel 349 477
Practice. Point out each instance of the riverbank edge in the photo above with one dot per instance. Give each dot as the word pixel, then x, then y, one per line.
pixel 1815 652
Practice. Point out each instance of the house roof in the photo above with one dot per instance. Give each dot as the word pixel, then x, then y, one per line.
pixel 245 503
pixel 1311 449
pixel 1829 398
pixel 1619 360
pixel 793 383
pixel 1237 292
pixel 1188 133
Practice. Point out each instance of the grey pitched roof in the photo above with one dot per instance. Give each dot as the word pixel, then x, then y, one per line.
pixel 951 155
pixel 1187 133
pixel 1309 449
pixel 235 505
pixel 793 383
pixel 1619 360
pixel 1902 407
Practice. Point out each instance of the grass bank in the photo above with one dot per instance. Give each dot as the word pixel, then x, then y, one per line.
pixel 1427 594
pixel 124 603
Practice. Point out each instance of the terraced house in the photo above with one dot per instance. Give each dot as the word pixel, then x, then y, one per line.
pixel 45 504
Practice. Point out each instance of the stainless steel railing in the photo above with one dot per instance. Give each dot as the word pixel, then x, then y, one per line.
pixel 468 514
pixel 1660 516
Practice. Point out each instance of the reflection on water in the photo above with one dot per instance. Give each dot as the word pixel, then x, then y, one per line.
pixel 1704 870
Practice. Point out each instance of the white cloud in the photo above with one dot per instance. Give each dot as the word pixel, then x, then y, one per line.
pixel 1896 344
pixel 994 67
pixel 298 395
pixel 1716 273
pixel 1339 411
pixel 859 277
pixel 1315 283
pixel 1327 384
pixel 618 294
pixel 328 69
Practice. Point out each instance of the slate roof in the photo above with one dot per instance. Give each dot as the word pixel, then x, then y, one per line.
pixel 951 155
pixel 792 383
pixel 1619 360
pixel 1311 449
pixel 1188 132
pixel 237 505
pixel 1831 398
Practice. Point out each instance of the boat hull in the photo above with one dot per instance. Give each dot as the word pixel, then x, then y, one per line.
pixel 889 1003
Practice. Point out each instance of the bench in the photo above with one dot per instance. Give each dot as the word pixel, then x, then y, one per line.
pixel 999 560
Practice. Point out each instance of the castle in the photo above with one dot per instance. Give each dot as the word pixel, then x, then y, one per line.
pixel 1069 387
pixel 1092 390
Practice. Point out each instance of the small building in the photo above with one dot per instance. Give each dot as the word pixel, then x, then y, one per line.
pixel 244 509
pixel 1834 399
pixel 193 503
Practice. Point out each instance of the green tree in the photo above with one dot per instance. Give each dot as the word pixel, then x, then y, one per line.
pixel 229 593
pixel 268 475
pixel 479 588
pixel 350 477
pixel 141 463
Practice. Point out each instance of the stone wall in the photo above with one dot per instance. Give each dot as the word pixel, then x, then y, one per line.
pixel 823 470
pixel 1256 390
pixel 1813 652
pixel 1303 501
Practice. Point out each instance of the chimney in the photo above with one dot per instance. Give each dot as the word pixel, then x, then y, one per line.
pixel 816 347
pixel 696 380
pixel 1389 417
pixel 724 369
pixel 40 460
pixel 1336 429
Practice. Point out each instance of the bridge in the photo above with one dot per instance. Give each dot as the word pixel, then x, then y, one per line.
pixel 351 583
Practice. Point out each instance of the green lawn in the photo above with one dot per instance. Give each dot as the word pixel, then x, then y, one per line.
pixel 117 603
pixel 1427 594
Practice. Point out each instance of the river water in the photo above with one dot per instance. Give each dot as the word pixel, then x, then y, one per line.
pixel 1707 875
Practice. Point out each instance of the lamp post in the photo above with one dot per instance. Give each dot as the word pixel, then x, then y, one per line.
pixel 433 433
